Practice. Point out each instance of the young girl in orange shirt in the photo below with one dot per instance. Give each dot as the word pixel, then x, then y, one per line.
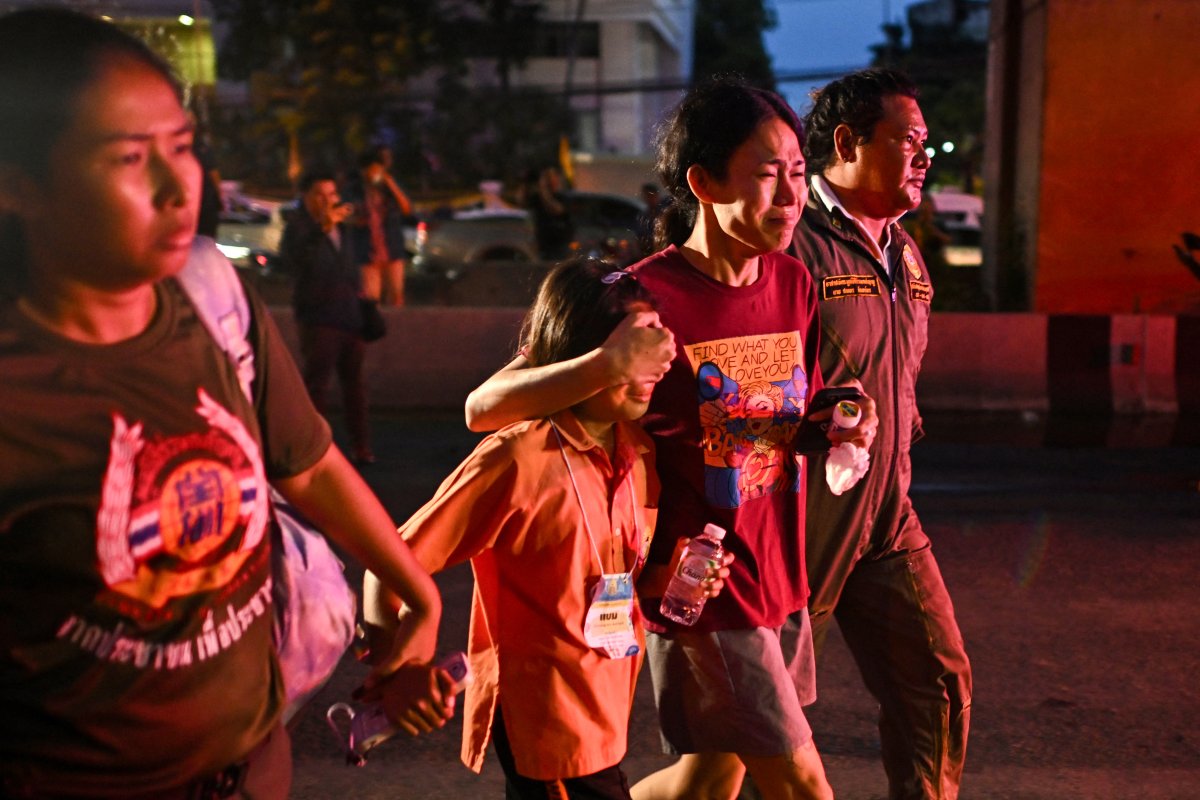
pixel 555 516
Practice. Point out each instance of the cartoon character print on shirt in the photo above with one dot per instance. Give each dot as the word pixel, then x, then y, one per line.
pixel 180 514
pixel 751 392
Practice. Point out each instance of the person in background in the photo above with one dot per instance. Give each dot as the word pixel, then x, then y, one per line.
pixel 922 226
pixel 931 242
pixel 870 564
pixel 553 228
pixel 135 547
pixel 556 516
pixel 730 690
pixel 380 208
pixel 318 250
pixel 491 196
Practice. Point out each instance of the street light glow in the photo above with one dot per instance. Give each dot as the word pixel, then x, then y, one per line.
pixel 185 20
pixel 929 151
pixel 947 147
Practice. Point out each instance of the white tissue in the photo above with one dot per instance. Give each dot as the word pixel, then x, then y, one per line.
pixel 845 465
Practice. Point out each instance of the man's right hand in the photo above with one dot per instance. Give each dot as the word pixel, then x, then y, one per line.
pixel 639 349
pixel 337 214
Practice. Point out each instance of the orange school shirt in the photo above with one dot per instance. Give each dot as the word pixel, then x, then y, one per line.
pixel 511 509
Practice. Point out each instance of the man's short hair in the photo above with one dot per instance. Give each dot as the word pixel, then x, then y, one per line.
pixel 855 100
pixel 313 176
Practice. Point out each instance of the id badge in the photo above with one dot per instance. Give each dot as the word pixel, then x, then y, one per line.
pixel 608 626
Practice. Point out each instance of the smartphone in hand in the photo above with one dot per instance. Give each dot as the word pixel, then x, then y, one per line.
pixel 810 438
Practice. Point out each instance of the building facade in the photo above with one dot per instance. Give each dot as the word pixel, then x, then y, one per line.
pixel 622 63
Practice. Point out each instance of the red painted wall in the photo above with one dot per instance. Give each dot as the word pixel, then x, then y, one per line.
pixel 1120 156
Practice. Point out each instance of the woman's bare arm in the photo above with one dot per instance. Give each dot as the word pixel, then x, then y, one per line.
pixel 638 350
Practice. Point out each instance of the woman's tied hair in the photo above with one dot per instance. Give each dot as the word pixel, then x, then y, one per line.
pixel 711 122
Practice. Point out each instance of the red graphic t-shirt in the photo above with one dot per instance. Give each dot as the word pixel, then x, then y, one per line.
pixel 723 420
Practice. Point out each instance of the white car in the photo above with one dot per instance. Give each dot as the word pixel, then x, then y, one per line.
pixel 960 215
pixel 250 228
pixel 605 225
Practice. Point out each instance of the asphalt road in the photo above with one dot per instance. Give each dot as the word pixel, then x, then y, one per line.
pixel 1072 553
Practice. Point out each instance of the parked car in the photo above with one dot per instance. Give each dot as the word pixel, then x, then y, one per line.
pixel 960 215
pixel 250 230
pixel 605 225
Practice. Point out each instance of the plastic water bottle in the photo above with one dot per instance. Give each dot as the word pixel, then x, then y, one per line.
pixel 684 598
pixel 846 414
pixel 846 463
pixel 370 726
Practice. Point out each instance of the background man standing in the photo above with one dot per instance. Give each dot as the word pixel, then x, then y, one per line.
pixel 870 565
pixel 318 250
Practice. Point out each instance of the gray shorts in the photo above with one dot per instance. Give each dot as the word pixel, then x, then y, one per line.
pixel 738 691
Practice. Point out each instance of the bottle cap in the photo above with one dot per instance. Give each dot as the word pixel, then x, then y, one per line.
pixel 715 531
pixel 846 414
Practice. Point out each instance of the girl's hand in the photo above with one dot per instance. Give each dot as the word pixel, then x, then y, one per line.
pixel 417 698
pixel 412 640
pixel 714 577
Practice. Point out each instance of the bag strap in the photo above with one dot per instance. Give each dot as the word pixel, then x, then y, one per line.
pixel 211 282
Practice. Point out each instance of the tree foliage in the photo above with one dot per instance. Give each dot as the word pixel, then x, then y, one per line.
pixel 728 39
pixel 329 78
pixel 951 71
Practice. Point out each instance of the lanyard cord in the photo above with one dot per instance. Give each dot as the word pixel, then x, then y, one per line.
pixel 583 512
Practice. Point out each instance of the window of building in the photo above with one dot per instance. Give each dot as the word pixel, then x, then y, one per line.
pixel 553 40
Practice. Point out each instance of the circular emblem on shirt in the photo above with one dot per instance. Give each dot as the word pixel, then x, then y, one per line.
pixel 910 262
pixel 180 512
pixel 198 509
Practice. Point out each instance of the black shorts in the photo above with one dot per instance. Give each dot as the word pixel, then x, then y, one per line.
pixel 607 784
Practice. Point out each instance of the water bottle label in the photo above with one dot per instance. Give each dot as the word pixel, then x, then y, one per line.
pixel 846 414
pixel 608 626
pixel 693 568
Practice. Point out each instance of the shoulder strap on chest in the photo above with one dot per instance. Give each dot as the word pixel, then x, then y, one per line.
pixel 213 286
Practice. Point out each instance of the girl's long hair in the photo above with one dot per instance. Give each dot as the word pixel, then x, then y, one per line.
pixel 578 305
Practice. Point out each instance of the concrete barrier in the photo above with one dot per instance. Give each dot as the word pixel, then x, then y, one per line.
pixel 432 356
pixel 1129 363
pixel 1144 359
pixel 985 362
